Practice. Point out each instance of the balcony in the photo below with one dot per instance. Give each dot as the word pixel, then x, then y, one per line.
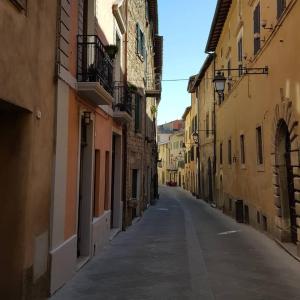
pixel 122 104
pixel 94 71
pixel 153 88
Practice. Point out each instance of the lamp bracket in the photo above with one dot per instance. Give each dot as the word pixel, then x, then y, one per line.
pixel 247 71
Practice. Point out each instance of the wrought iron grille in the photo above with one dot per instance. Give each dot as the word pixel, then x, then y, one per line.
pixel 94 64
pixel 122 99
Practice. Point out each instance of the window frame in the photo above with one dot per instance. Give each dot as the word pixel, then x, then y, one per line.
pixel 221 153
pixel 240 51
pixel 259 146
pixel 256 28
pixel 281 7
pixel 242 149
pixel 140 42
pixel 229 151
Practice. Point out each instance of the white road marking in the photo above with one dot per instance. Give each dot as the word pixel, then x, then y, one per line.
pixel 229 232
pixel 163 209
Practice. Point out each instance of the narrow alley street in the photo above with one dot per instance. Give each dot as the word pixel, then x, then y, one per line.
pixel 184 249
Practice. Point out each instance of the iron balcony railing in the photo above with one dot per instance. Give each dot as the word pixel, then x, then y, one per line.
pixel 122 99
pixel 94 64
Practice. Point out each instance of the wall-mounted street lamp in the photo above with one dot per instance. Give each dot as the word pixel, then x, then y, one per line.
pixel 195 136
pixel 219 82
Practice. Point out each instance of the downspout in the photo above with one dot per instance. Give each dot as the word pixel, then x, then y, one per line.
pixel 125 131
pixel 215 135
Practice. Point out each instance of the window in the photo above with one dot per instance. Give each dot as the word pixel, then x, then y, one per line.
pixel 192 154
pixel 21 4
pixel 207 124
pixel 137 124
pixel 258 217
pixel 256 29
pixel 134 184
pixel 242 144
pixel 240 56
pixel 281 5
pixel 221 154
pixel 229 152
pixel 140 42
pixel 259 145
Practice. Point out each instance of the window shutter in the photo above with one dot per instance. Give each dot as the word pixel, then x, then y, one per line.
pixel 281 5
pixel 240 56
pixel 256 29
pixel 138 38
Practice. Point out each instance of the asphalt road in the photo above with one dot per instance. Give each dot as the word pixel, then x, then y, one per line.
pixel 184 249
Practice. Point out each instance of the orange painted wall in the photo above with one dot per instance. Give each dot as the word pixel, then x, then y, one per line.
pixel 103 142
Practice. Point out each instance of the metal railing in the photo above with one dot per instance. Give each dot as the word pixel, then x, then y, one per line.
pixel 122 99
pixel 93 62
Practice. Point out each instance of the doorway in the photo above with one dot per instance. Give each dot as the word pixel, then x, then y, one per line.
pixel 16 133
pixel 116 182
pixel 286 183
pixel 85 203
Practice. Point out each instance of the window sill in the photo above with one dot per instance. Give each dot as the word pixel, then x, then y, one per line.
pixel 243 167
pixel 260 168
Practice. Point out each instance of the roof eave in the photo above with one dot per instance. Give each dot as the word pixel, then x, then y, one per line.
pixel 219 19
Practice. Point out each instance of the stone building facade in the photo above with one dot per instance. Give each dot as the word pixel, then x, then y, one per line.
pixel 144 65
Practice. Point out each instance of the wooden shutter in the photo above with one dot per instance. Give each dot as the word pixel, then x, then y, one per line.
pixel 138 39
pixel 256 29
pixel 240 56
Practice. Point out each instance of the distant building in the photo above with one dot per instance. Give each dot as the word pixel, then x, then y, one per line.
pixel 170 127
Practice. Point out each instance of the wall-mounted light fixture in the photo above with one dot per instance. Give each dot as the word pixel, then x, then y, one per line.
pixel 87 117
pixel 195 136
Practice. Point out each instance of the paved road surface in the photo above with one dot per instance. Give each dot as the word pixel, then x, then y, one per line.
pixel 179 251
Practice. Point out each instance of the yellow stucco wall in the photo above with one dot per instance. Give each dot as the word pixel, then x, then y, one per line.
pixel 258 100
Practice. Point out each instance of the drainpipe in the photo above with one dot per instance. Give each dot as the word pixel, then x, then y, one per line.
pixel 125 132
pixel 215 138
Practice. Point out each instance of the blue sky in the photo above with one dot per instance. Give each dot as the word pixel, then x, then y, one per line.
pixel 185 26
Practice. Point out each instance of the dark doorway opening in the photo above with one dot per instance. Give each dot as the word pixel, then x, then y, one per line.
pixel 286 181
